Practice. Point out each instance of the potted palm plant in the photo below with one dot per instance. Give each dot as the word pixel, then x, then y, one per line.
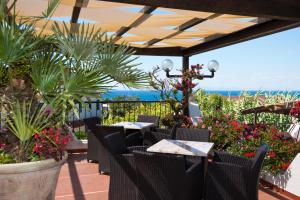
pixel 62 69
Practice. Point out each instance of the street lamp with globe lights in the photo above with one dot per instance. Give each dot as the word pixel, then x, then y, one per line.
pixel 167 65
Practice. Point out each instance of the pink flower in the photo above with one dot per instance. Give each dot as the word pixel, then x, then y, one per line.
pixel 2 145
pixel 48 111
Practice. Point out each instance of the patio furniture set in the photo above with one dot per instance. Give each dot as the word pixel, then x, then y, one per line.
pixel 149 163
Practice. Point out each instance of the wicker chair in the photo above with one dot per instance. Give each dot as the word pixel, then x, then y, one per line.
pixel 149 119
pixel 233 178
pixel 97 150
pixel 167 177
pixel 123 179
pixel 152 137
pixel 91 122
pixel 191 134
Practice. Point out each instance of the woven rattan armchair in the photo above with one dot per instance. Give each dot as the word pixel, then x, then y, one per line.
pixel 193 134
pixel 232 177
pixel 149 119
pixel 152 137
pixel 123 179
pixel 167 177
pixel 97 150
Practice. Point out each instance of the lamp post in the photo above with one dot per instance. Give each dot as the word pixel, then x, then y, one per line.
pixel 167 65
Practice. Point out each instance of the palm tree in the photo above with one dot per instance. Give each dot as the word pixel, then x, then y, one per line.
pixel 68 65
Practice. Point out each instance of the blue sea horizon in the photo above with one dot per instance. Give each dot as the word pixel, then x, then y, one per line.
pixel 152 95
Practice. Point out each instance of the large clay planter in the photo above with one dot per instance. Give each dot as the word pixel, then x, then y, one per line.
pixel 289 180
pixel 31 180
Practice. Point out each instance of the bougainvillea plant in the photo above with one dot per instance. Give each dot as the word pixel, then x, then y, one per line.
pixel 241 139
pixel 169 90
pixel 295 111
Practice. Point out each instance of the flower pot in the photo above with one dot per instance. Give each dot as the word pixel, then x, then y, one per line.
pixel 30 180
pixel 289 180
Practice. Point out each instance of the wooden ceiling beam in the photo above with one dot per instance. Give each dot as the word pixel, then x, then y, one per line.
pixel 147 10
pixel 164 51
pixel 273 9
pixel 260 30
pixel 76 13
pixel 189 24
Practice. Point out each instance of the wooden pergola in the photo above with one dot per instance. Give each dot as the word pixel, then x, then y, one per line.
pixel 265 17
pixel 280 108
pixel 181 28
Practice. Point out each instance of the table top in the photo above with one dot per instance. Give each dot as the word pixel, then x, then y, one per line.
pixel 182 147
pixel 134 125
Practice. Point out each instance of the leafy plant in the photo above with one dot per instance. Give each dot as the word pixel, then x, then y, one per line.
pixel 238 138
pixel 71 66
pixel 234 105
pixel 24 121
pixel 5 158
pixel 81 135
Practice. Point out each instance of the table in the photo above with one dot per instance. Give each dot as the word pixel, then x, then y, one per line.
pixel 134 125
pixel 182 147
pixel 185 148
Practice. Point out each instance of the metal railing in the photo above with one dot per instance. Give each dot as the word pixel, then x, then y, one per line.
pixel 111 112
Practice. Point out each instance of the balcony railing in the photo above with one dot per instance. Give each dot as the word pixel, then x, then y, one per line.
pixel 111 112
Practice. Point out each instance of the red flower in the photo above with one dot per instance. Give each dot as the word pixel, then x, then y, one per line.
pixel 236 125
pixel 249 154
pixel 36 136
pixel 272 154
pixel 37 148
pixel 285 166
pixel 274 167
pixel 295 111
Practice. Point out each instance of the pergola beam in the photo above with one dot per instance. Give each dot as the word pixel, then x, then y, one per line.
pixel 76 13
pixel 273 9
pixel 193 22
pixel 163 51
pixel 252 32
pixel 146 11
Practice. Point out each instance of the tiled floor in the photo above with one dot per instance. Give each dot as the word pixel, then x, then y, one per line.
pixel 80 180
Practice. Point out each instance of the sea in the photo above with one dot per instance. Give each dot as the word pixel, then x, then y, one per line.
pixel 152 95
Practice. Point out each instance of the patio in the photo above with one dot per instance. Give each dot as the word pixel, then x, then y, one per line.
pixel 80 180
pixel 154 28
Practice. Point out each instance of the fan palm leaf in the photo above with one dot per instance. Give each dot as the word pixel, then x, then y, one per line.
pixel 24 122
pixel 15 44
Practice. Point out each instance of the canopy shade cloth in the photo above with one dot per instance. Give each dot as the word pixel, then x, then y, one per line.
pixel 155 30
pixel 281 108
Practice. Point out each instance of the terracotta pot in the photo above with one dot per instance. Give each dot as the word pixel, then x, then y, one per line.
pixel 31 180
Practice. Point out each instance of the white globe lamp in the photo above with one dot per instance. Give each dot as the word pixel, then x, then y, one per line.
pixel 213 66
pixel 167 65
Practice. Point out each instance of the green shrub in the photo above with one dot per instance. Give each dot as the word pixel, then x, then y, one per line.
pixel 240 139
pixel 208 104
pixel 5 158
pixel 81 135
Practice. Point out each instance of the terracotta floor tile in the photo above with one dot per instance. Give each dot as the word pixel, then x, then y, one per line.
pixel 80 180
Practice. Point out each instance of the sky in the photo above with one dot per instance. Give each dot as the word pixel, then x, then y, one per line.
pixel 267 63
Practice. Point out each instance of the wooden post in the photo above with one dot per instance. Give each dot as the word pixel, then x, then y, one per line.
pixel 185 94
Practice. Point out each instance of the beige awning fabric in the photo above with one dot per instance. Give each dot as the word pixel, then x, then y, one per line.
pixel 164 26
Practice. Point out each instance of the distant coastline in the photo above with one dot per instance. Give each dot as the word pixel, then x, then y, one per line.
pixel 152 95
